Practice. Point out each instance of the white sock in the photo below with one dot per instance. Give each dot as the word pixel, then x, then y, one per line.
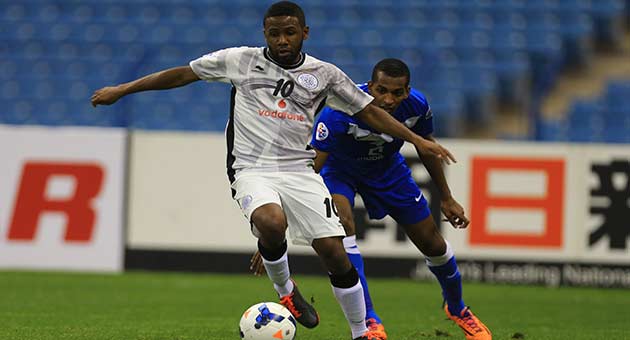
pixel 434 261
pixel 350 245
pixel 278 272
pixel 353 305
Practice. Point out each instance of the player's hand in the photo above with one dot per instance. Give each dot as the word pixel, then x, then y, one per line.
pixel 107 95
pixel 256 264
pixel 454 213
pixel 428 147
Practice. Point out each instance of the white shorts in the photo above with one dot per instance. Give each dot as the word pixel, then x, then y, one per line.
pixel 303 196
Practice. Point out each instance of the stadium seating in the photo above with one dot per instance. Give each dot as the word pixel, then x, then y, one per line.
pixel 602 119
pixel 467 56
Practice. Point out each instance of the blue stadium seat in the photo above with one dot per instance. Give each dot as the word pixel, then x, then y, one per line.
pixel 448 110
pixel 155 115
pixel 617 134
pixel 16 111
pixel 513 69
pixel 481 94
pixel 617 95
pixel 331 36
pixel 476 19
pixel 80 12
pixel 585 112
pixel 344 55
pixel 599 119
pixel 7 73
pixel 508 19
pixel 576 30
pixel 551 130
pixel 15 12
pixel 607 18
pixel 585 121
pixel 359 72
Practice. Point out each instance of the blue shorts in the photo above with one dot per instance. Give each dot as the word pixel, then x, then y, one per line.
pixel 402 200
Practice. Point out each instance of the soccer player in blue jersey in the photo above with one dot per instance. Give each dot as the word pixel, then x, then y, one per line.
pixel 353 158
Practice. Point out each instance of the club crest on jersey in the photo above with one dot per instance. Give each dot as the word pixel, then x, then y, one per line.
pixel 308 80
pixel 246 201
pixel 322 131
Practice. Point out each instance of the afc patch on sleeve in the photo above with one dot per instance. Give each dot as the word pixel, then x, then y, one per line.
pixel 322 131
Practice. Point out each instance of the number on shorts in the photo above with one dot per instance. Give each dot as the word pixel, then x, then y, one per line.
pixel 330 207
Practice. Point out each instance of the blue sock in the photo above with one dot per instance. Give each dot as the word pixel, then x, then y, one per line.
pixel 451 282
pixel 357 261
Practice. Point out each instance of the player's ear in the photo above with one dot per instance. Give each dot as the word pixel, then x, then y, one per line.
pixel 408 91
pixel 305 31
pixel 370 84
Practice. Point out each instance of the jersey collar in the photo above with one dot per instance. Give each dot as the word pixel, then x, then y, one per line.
pixel 284 66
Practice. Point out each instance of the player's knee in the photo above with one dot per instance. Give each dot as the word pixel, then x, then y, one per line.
pixel 272 227
pixel 272 238
pixel 434 246
pixel 273 235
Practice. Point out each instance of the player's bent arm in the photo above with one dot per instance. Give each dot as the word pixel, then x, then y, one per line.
pixel 320 159
pixel 451 209
pixel 162 80
pixel 382 121
pixel 435 170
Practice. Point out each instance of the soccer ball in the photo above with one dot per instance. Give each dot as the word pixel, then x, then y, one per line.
pixel 267 321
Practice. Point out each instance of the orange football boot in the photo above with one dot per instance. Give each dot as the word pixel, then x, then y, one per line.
pixel 369 335
pixel 470 324
pixel 376 328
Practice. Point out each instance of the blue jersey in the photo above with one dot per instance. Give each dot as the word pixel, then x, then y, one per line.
pixel 358 150
pixel 367 162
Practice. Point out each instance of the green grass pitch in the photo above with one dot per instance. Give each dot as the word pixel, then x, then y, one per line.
pixel 175 306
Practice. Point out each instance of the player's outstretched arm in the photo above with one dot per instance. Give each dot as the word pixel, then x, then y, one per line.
pixel 451 209
pixel 162 80
pixel 382 121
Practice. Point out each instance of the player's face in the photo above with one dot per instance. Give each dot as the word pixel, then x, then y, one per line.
pixel 284 36
pixel 388 92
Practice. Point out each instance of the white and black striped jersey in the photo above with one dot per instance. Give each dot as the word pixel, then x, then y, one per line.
pixel 273 106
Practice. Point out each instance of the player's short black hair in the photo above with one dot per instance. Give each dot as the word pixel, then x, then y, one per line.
pixel 392 67
pixel 286 8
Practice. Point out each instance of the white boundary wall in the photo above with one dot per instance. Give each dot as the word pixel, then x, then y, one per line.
pixel 532 200
pixel 62 200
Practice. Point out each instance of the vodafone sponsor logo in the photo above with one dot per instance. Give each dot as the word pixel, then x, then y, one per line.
pixel 281 115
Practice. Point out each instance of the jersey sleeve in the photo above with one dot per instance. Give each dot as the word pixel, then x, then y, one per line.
pixel 216 66
pixel 327 130
pixel 423 124
pixel 344 95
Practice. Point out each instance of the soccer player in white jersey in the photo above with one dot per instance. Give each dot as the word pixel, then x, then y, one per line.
pixel 277 91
